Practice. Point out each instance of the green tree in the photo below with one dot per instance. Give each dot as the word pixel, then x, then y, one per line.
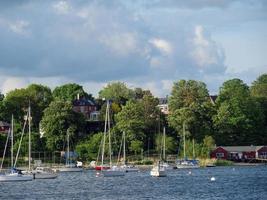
pixel 57 120
pixel 136 146
pixel 88 149
pixel 69 92
pixel 17 102
pixel 259 92
pixel 117 92
pixel 239 116
pixel 131 121
pixel 189 103
pixel 170 144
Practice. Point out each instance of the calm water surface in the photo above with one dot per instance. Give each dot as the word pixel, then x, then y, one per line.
pixel 231 183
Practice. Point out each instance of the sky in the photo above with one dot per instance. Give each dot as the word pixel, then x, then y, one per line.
pixel 144 43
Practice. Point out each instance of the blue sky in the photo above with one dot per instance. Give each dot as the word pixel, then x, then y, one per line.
pixel 148 44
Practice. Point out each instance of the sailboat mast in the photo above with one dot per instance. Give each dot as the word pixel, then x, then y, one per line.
pixel 12 139
pixel 29 137
pixel 68 141
pixel 164 143
pixel 7 139
pixel 109 138
pixel 184 137
pixel 124 154
pixel 104 139
pixel 193 149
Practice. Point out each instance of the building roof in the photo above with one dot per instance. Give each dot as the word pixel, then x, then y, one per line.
pixel 163 100
pixel 241 148
pixel 83 102
pixel 213 98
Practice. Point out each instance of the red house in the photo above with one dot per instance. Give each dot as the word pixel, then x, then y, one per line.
pixel 238 153
pixel 86 107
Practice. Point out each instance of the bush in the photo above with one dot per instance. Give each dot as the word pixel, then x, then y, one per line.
pixel 223 163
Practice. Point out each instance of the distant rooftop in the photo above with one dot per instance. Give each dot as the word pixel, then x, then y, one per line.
pixel 83 102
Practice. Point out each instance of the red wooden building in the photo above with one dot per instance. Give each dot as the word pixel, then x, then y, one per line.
pixel 238 153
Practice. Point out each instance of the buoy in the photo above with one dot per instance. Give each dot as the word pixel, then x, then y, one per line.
pixel 189 172
pixel 212 178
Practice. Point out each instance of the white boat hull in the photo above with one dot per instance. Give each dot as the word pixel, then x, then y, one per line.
pixel 158 172
pixel 132 170
pixel 70 169
pixel 15 177
pixel 187 166
pixel 113 173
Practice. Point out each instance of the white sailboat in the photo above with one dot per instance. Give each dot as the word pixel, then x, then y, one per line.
pixel 185 163
pixel 13 175
pixel 41 172
pixel 164 163
pixel 69 167
pixel 126 167
pixel 113 171
pixel 159 170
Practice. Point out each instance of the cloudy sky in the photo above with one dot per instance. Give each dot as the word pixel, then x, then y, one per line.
pixel 144 43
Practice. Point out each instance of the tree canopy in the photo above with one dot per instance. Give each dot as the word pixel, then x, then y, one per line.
pixel 189 103
pixel 239 117
pixel 118 92
pixel 69 92
pixel 58 119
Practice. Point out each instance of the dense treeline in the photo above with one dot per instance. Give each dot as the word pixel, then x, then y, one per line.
pixel 237 117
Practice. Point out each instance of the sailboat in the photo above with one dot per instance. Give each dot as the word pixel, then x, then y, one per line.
pixel 39 172
pixel 112 171
pixel 185 163
pixel 159 170
pixel 14 174
pixel 127 168
pixel 69 167
pixel 164 163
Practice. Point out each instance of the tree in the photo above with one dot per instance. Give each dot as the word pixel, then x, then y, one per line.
pixel 117 92
pixel 131 121
pixel 170 144
pixel 88 149
pixel 259 92
pixel 189 103
pixel 69 92
pixel 57 120
pixel 17 102
pixel 239 117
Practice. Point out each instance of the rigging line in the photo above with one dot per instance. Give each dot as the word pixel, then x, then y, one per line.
pixel 8 135
pixel 119 155
pixel 21 137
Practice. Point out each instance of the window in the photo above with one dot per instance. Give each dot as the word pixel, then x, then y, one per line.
pixel 219 155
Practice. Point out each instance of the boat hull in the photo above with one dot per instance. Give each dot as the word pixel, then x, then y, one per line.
pixel 157 173
pixel 99 168
pixel 70 169
pixel 131 170
pixel 15 177
pixel 113 173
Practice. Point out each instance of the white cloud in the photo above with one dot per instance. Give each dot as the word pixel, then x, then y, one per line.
pixel 162 45
pixel 62 7
pixel 11 83
pixel 121 43
pixel 205 51
pixel 20 27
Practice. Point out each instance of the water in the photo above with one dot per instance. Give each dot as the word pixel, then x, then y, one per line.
pixel 230 183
